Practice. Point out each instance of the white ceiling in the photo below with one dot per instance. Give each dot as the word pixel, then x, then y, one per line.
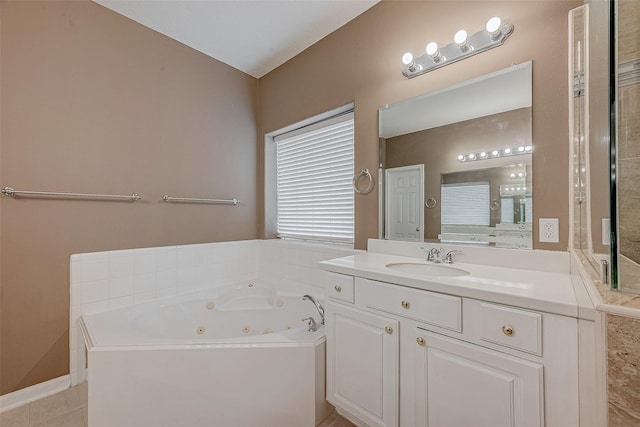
pixel 254 36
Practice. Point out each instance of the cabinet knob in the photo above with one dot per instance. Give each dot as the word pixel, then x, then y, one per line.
pixel 405 304
pixel 337 288
pixel 388 329
pixel 420 341
pixel 507 330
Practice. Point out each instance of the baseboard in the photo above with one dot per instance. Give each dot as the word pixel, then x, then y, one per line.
pixel 33 393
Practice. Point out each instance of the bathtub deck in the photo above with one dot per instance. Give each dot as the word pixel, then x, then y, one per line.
pixel 69 409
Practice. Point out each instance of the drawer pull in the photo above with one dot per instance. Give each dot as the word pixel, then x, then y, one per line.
pixel 405 304
pixel 388 329
pixel 507 330
pixel 420 341
pixel 337 288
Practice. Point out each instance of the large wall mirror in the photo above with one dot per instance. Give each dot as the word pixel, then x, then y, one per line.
pixel 456 163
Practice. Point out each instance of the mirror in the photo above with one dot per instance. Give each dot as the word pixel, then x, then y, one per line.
pixel 456 163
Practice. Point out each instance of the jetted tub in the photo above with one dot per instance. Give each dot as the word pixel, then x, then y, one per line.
pixel 232 356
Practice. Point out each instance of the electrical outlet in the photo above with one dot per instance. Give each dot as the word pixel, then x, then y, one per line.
pixel 548 230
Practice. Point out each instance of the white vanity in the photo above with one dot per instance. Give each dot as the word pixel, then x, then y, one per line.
pixel 498 338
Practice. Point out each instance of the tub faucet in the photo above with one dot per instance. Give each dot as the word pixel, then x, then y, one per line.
pixel 318 306
pixel 313 326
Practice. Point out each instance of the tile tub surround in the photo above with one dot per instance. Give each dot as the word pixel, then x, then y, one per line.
pixel 105 280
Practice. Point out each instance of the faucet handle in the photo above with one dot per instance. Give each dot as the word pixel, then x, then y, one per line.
pixel 313 326
pixel 448 257
pixel 433 254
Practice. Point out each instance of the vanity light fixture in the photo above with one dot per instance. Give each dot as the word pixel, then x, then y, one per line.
pixel 493 154
pixel 509 190
pixel 464 45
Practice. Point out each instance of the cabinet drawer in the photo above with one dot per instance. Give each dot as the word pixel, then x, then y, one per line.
pixel 340 287
pixel 424 306
pixel 511 327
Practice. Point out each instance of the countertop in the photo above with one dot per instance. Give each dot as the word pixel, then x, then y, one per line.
pixel 552 292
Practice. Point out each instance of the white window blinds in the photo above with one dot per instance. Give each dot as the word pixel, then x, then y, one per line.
pixel 465 203
pixel 314 169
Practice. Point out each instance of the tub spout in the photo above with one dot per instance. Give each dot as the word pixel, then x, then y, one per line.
pixel 318 306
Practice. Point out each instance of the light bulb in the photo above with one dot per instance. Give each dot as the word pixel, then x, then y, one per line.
pixel 494 153
pixel 493 27
pixel 528 148
pixel 460 37
pixel 520 149
pixel 433 52
pixel 507 151
pixel 521 175
pixel 460 157
pixel 472 156
pixel 513 175
pixel 461 40
pixel 407 58
pixel 483 154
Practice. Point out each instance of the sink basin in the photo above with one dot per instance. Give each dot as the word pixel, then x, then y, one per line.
pixel 427 269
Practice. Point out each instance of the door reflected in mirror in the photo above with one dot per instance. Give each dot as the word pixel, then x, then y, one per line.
pixel 457 163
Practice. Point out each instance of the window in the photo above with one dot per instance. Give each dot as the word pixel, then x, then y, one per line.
pixel 314 173
pixel 465 203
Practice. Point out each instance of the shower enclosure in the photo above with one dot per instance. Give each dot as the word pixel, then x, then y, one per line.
pixel 604 72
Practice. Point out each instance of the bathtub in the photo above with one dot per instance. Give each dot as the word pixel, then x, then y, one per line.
pixel 233 356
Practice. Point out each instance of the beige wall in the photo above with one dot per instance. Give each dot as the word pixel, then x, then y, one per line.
pixel 361 62
pixel 94 102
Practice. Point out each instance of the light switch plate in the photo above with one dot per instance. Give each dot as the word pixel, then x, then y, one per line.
pixel 548 230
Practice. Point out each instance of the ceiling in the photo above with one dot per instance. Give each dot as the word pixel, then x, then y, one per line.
pixel 254 36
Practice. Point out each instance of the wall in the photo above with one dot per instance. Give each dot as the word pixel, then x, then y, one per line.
pixel 361 62
pixel 94 102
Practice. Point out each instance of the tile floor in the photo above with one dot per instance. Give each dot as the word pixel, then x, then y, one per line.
pixel 65 409
pixel 69 409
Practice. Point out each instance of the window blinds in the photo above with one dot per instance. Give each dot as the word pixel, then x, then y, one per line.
pixel 465 203
pixel 314 173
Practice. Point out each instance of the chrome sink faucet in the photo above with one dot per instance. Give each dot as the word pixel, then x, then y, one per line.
pixel 435 255
pixel 318 307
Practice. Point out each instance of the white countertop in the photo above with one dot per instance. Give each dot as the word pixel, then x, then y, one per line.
pixel 551 292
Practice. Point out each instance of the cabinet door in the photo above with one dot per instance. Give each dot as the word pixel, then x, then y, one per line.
pixel 362 364
pixel 460 384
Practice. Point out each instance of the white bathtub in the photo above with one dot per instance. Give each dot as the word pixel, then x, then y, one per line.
pixel 230 357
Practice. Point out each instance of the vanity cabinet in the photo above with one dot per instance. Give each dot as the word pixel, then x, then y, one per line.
pixel 362 364
pixel 400 356
pixel 459 384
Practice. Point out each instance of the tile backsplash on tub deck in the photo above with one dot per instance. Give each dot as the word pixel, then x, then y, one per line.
pixel 105 280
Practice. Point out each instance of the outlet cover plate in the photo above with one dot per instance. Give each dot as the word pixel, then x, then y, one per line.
pixel 548 230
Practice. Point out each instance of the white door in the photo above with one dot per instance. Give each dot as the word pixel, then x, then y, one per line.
pixel 460 384
pixel 404 210
pixel 362 364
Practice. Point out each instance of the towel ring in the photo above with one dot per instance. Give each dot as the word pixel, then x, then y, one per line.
pixel 366 173
pixel 431 203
